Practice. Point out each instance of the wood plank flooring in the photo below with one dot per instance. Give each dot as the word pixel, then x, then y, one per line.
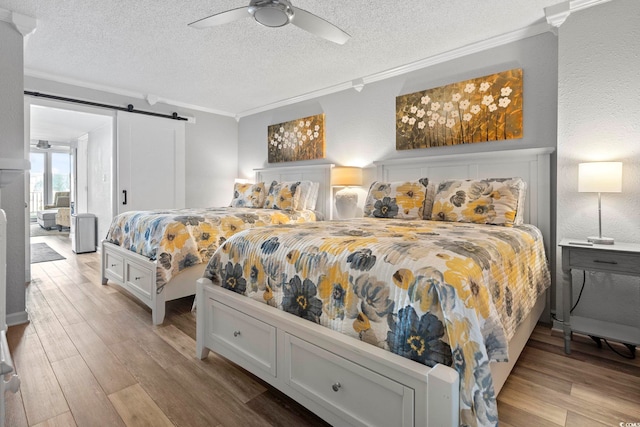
pixel 90 357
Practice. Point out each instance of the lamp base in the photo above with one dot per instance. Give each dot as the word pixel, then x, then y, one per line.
pixel 601 240
pixel 346 203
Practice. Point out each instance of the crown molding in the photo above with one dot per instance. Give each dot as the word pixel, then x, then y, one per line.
pixel 304 97
pixel 557 14
pixel 24 24
pixel 123 92
pixel 358 84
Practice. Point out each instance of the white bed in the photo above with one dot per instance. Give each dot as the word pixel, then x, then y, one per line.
pixel 137 274
pixel 275 346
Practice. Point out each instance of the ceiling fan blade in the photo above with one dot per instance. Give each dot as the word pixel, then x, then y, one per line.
pixel 222 18
pixel 318 26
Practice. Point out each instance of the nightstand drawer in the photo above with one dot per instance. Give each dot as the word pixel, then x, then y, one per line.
pixel 590 259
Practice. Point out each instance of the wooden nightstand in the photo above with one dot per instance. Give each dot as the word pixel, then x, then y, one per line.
pixel 620 258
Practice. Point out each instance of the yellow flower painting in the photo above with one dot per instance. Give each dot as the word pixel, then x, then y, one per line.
pixel 300 139
pixel 483 109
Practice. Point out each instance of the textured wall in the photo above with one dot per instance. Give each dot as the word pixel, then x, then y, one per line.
pixel 598 104
pixel 12 145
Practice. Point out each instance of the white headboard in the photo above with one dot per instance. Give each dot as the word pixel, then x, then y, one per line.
pixel 316 173
pixel 532 165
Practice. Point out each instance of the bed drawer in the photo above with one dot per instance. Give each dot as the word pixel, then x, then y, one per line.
pixel 251 338
pixel 114 266
pixel 359 396
pixel 139 278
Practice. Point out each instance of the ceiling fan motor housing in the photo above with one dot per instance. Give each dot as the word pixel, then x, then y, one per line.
pixel 271 13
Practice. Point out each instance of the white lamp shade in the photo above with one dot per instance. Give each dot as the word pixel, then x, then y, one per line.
pixel 600 177
pixel 346 176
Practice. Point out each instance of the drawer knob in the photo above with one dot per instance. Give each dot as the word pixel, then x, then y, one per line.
pixel 604 262
pixel 236 334
pixel 137 278
pixel 336 386
pixel 113 265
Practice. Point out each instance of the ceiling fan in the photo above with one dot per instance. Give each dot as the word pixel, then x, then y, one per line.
pixel 43 145
pixel 277 13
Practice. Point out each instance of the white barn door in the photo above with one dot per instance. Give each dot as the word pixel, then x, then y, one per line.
pixel 151 163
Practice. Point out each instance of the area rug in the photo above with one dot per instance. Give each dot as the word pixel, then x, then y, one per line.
pixel 41 252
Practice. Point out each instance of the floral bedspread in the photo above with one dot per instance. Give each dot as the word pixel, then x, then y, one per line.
pixel 434 292
pixel 180 238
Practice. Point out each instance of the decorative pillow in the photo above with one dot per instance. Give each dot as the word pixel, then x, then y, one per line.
pixel 312 200
pixel 401 199
pixel 521 205
pixel 248 195
pixel 304 188
pixel 283 196
pixel 428 201
pixel 481 201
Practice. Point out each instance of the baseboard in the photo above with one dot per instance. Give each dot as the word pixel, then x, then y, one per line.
pixel 19 318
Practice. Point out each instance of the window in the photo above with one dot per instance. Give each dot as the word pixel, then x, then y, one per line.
pixel 60 172
pixel 50 173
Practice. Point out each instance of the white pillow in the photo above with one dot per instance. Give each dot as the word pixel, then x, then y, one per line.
pixel 313 196
pixel 304 187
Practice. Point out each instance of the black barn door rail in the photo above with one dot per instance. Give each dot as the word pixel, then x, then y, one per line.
pixel 129 108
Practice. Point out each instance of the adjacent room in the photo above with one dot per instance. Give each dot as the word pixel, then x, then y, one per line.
pixel 287 212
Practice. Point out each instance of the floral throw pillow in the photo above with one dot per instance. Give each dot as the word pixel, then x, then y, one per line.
pixel 402 199
pixel 481 201
pixel 283 196
pixel 248 195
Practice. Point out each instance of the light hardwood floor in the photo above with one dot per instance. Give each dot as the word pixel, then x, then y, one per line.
pixel 90 357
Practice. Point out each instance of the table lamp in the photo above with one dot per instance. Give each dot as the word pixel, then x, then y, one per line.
pixel 600 177
pixel 346 199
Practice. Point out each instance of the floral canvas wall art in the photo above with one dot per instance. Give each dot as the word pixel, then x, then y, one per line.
pixel 483 109
pixel 300 139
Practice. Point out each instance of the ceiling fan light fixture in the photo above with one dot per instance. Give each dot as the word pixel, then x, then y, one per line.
pixel 271 13
pixel 277 13
pixel 43 145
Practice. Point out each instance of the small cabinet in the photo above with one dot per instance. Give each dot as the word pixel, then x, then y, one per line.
pixel 621 259
pixel 352 392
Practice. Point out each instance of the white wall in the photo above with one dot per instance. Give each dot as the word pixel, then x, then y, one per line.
pixel 211 142
pixel 99 194
pixel 599 100
pixel 212 160
pixel 12 145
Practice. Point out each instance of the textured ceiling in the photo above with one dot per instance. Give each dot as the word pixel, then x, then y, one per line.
pixel 145 46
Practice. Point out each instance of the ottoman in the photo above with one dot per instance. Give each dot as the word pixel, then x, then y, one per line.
pixel 47 218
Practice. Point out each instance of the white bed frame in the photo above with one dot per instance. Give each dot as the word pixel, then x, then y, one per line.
pixel 278 347
pixel 137 274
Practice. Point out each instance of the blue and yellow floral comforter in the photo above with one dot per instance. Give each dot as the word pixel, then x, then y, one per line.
pixel 180 238
pixel 433 292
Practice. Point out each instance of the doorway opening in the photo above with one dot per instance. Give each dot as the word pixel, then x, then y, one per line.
pixel 71 149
